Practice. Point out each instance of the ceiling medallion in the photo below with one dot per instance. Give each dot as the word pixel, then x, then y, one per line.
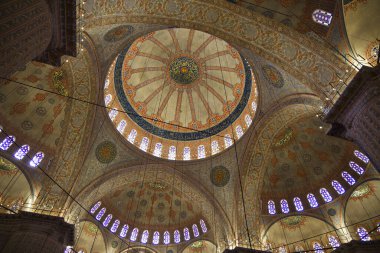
pixel 184 70
pixel 220 176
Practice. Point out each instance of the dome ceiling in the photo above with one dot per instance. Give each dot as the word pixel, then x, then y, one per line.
pixel 303 160
pixel 181 85
pixel 152 205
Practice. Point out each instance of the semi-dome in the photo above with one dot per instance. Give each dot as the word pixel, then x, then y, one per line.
pixel 181 94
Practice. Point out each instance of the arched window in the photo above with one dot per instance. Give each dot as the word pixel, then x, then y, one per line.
pixel 201 151
pixel 37 159
pixel 349 179
pixel 317 247
pixel 282 249
pixel 254 106
pixel 203 226
pixel 101 213
pixel 115 226
pixel 113 113
pixel 132 136
pixel 144 143
pixel 172 153
pixel 284 206
pixel 378 227
pixel 248 120
pixel 134 234
pixel 325 195
pixel 121 126
pixel 298 204
pixel 166 237
pixel 21 152
pixel 7 142
pixel 124 231
pixel 338 187
pixel 186 153
pixel 156 238
pixel 107 99
pixel 106 83
pixel 322 17
pixel 214 147
pixel 195 230
pixel 186 234
pixel 68 249
pixel 363 234
pixel 95 207
pixel 239 131
pixel 177 236
pixel 107 220
pixel 333 241
pixel 299 248
pixel 361 156
pixel 145 236
pixel 312 200
pixel 356 168
pixel 157 149
pixel 271 207
pixel 227 141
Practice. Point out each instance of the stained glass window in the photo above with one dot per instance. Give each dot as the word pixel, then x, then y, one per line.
pixel 115 226
pixel 201 151
pixel 298 204
pixel 254 106
pixel 113 113
pixel 282 249
pixel 124 231
pixel 95 207
pixel 166 237
pixel 177 236
pixel 356 168
pixel 107 99
pixel 172 153
pixel 144 144
pixel 156 237
pixel 134 234
pixel 317 247
pixel 37 159
pixel 132 136
pixel 121 126
pixel 378 227
pixel 214 147
pixel 107 220
pixel 203 226
pixel 7 142
pixel 338 187
pixel 68 249
pixel 227 141
pixel 145 236
pixel 21 152
pixel 186 153
pixel 333 241
pixel 350 180
pixel 271 207
pixel 322 17
pixel 363 234
pixel 186 234
pixel 195 230
pixel 248 120
pixel 361 156
pixel 284 206
pixel 157 149
pixel 101 213
pixel 325 195
pixel 239 131
pixel 312 200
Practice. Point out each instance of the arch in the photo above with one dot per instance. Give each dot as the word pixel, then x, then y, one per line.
pixel 203 246
pixel 139 249
pixel 91 237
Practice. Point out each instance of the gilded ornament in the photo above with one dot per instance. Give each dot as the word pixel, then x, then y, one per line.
pixel 106 152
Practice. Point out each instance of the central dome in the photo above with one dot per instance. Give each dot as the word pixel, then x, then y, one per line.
pixel 182 89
